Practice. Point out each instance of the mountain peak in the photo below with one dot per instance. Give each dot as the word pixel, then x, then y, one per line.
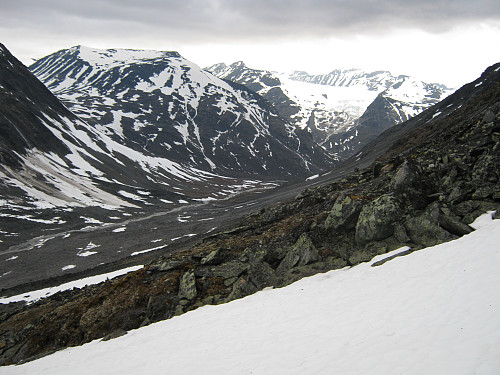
pixel 238 64
pixel 114 56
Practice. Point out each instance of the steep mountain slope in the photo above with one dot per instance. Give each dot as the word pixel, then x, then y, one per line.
pixel 435 174
pixel 342 109
pixel 160 104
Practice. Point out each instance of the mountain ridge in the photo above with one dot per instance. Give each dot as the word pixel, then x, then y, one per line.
pixel 332 106
pixel 167 106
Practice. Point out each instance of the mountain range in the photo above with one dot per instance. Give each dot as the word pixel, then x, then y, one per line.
pixel 418 184
pixel 343 109
pixel 162 105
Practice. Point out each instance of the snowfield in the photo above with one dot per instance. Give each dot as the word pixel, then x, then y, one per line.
pixel 434 311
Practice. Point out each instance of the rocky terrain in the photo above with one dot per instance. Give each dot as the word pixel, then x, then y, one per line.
pixel 432 176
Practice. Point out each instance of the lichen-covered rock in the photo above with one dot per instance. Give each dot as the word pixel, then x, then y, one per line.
pixel 213 258
pixel 359 257
pixel 344 213
pixel 187 286
pixel 230 269
pixel 241 288
pixel 262 275
pixel 425 229
pixel 376 220
pixel 163 265
pixel 454 226
pixel 405 177
pixel 302 252
pixel 400 233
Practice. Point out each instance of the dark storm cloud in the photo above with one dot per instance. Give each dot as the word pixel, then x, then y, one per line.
pixel 192 20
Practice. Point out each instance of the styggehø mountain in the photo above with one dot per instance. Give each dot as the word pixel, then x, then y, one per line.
pixel 162 105
pixel 343 109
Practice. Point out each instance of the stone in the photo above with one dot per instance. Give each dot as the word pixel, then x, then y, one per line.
pixel 301 253
pixel 400 233
pixel 230 281
pixel 376 220
pixel 262 275
pixel 484 192
pixel 344 213
pixel 242 288
pixel 489 116
pixel 360 257
pixel 163 265
pixel 187 286
pixel 230 269
pixel 425 229
pixel 145 322
pixel 213 258
pixel 113 335
pixel 486 168
pixel 404 177
pixel 454 226
pixel 335 263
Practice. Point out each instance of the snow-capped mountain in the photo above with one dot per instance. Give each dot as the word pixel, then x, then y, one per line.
pixel 331 105
pixel 58 159
pixel 162 105
pixel 58 174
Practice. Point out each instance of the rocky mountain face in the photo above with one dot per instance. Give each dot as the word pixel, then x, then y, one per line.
pixel 162 105
pixel 343 109
pixel 434 174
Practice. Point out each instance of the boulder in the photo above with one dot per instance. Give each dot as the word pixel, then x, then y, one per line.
pixel 376 220
pixel 230 269
pixel 344 213
pixel 302 252
pixel 405 177
pixel 187 286
pixel 242 288
pixel 360 257
pixel 425 229
pixel 162 265
pixel 454 226
pixel 213 258
pixel 261 274
pixel 400 233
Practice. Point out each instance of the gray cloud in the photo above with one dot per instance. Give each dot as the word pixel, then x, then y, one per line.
pixel 227 20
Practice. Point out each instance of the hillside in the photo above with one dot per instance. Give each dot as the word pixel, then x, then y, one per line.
pixel 434 175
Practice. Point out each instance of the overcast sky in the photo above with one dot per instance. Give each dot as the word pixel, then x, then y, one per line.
pixel 447 41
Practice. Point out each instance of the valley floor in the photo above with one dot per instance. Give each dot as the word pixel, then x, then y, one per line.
pixel 434 311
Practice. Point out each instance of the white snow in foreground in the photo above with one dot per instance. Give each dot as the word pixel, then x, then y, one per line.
pixel 42 293
pixel 435 311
